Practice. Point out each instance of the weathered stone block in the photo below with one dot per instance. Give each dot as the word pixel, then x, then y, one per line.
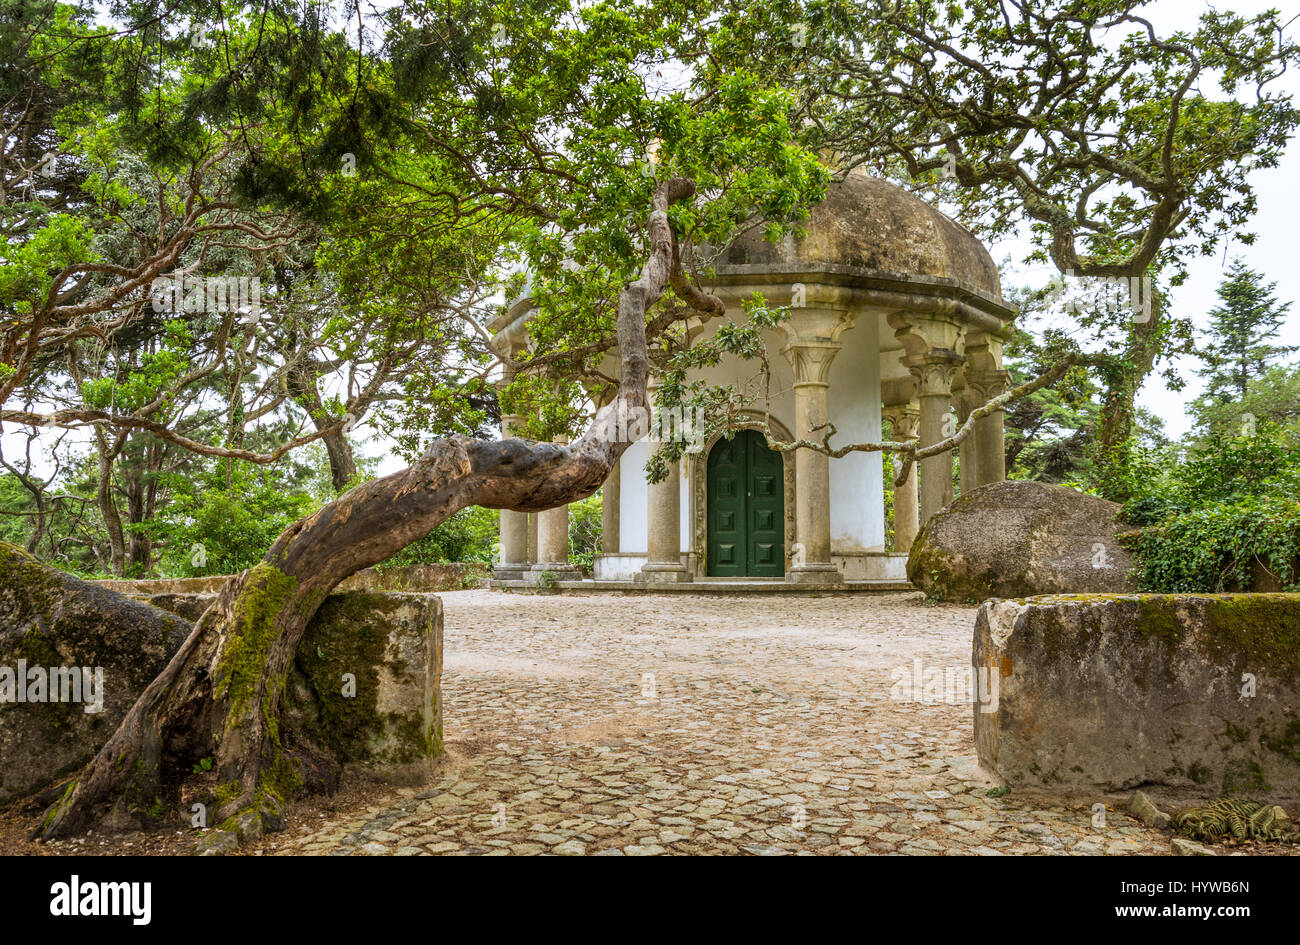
pixel 1017 539
pixel 367 677
pixel 1196 692
pixel 365 683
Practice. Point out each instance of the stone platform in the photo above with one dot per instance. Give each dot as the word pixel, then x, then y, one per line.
pixel 710 586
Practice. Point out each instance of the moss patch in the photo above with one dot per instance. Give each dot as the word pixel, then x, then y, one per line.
pixel 265 594
pixel 1264 628
pixel 346 638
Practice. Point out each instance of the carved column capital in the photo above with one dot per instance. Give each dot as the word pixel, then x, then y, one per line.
pixel 934 372
pixel 985 385
pixel 812 338
pixel 811 360
pixel 904 420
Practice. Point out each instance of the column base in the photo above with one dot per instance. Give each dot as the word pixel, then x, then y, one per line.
pixel 562 571
pixel 510 572
pixel 663 574
pixel 814 574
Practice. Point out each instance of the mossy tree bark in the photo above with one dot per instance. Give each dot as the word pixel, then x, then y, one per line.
pixel 221 694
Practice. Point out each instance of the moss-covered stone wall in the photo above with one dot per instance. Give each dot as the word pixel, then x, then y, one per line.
pixel 1111 691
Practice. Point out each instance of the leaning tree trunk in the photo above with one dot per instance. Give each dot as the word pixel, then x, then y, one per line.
pixel 1119 404
pixel 221 694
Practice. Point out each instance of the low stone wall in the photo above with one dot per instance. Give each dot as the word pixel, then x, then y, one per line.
pixel 421 578
pixel 1107 692
pixel 416 579
pixel 365 683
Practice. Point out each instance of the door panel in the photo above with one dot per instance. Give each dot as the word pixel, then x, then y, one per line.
pixel 726 497
pixel 766 508
pixel 746 502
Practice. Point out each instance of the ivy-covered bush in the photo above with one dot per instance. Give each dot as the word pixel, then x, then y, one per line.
pixel 1209 521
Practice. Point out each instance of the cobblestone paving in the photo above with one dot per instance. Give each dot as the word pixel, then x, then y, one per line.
pixel 638 725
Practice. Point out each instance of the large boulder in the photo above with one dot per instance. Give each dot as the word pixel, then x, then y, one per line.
pixel 88 634
pixel 1018 539
pixel 365 681
pixel 1200 693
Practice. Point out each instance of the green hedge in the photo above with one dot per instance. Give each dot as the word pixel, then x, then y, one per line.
pixel 1208 521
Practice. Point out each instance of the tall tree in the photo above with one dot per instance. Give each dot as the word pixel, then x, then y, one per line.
pixel 1241 338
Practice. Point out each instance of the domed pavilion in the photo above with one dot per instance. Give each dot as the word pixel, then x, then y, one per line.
pixel 896 331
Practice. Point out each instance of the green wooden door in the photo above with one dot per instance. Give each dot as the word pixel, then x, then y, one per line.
pixel 766 498
pixel 746 496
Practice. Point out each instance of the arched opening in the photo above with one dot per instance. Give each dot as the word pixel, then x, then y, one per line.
pixel 746 508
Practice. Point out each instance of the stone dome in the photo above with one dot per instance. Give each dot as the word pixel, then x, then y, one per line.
pixel 869 226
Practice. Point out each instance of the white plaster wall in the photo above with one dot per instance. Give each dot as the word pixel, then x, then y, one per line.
pixel 632 499
pixel 633 502
pixel 857 489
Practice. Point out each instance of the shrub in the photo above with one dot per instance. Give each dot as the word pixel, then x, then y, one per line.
pixel 584 532
pixel 468 535
pixel 1216 548
pixel 1211 518
pixel 218 530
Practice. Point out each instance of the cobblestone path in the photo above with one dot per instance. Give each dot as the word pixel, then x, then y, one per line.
pixel 635 725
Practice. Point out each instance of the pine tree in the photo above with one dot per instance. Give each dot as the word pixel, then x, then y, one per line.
pixel 1241 328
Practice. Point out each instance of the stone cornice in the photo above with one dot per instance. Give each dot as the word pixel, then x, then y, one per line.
pixel 878 288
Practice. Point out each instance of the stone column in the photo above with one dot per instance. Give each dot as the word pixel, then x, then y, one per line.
pixel 664 525
pixel 514 525
pixel 534 528
pixel 812 340
pixel 933 344
pixel 553 542
pixel 968 450
pixel 903 421
pixel 989 434
pixel 811 361
pixel 986 379
pixel 934 379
